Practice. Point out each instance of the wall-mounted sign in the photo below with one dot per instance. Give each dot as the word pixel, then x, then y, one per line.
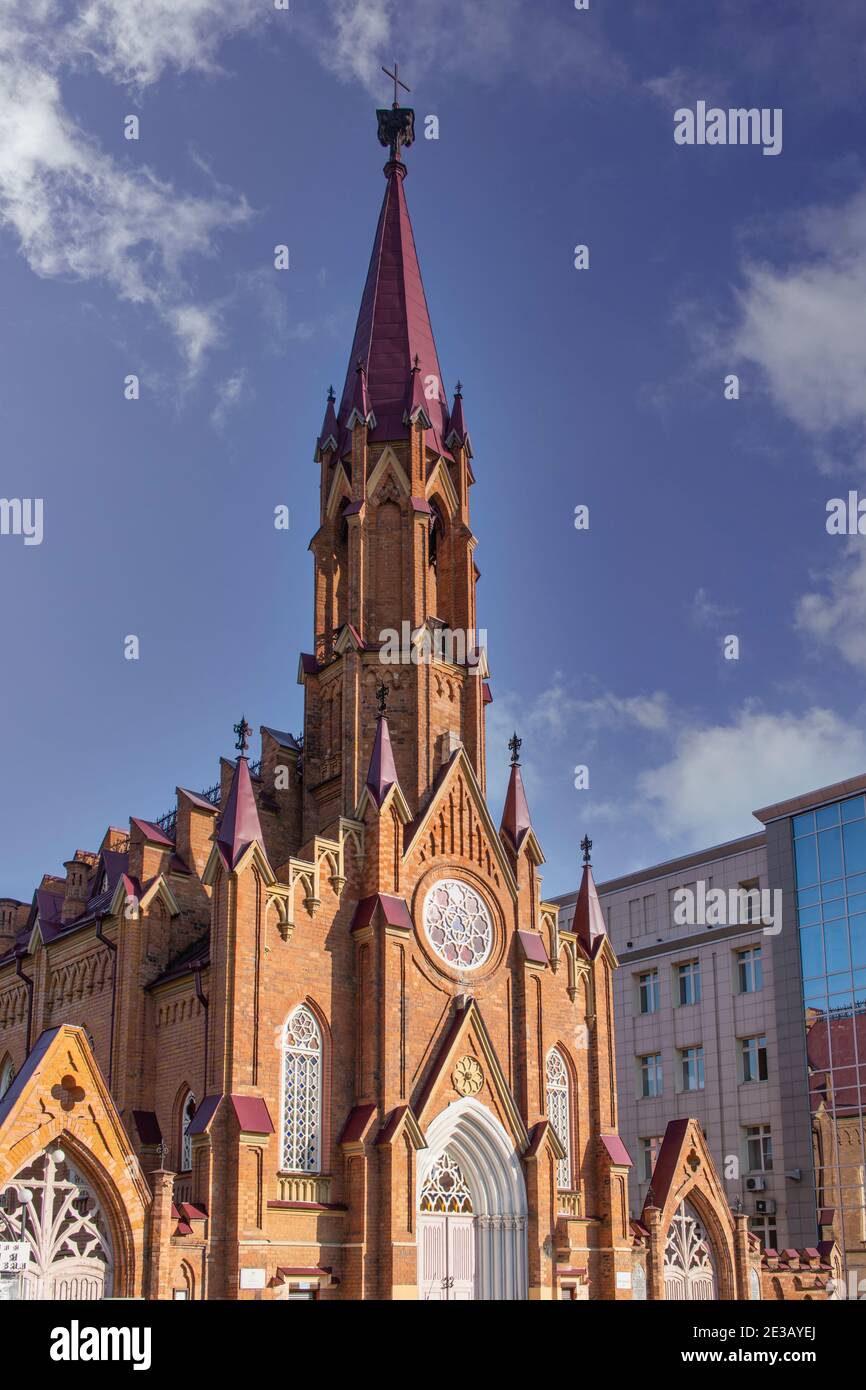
pixel 252 1278
pixel 13 1256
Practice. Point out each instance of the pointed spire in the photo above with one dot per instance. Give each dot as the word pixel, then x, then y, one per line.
pixel 516 820
pixel 458 435
pixel 588 917
pixel 239 823
pixel 416 408
pixel 394 325
pixel 361 412
pixel 329 437
pixel 382 775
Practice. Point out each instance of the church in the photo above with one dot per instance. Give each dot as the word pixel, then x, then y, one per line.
pixel 316 1033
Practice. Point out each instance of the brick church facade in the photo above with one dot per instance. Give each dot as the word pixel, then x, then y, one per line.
pixel 317 1033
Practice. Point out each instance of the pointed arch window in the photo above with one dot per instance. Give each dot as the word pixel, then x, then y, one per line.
pixel 559 1113
pixel 302 1093
pixel 7 1076
pixel 187 1112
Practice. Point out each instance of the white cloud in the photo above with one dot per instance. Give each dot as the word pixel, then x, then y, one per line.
pixel 834 619
pixel 803 324
pixel 718 774
pixel 706 613
pixel 230 393
pixel 135 42
pixel 489 39
pixel 77 212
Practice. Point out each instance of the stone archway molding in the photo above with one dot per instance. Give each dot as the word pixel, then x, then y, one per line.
pixel 487 1157
pixel 60 1097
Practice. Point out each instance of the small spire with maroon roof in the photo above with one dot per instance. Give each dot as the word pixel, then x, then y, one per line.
pixel 329 438
pixel 382 775
pixel 458 435
pixel 516 820
pixel 239 824
pixel 588 922
pixel 416 409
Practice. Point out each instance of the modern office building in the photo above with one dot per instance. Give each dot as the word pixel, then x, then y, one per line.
pixel 749 1013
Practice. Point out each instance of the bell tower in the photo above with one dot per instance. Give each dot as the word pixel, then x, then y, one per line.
pixel 395 574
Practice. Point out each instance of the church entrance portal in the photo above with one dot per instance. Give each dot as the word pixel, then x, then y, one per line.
pixel 471 1209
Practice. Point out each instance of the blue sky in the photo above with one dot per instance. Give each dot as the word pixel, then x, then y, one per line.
pixel 603 387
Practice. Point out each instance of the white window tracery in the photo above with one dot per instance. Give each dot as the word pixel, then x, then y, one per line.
pixel 50 1208
pixel 7 1076
pixel 559 1113
pixel 302 1093
pixel 457 924
pixel 446 1190
pixel 186 1116
pixel 689 1272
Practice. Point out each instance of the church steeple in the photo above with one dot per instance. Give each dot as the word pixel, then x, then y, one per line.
pixel 394 552
pixel 393 328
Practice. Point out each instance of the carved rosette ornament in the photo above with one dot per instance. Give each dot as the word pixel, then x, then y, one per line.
pixel 467 1077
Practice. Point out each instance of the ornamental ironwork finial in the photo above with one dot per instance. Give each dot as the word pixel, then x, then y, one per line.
pixel 243 731
pixel 515 744
pixel 331 396
pixel 396 123
pixel 586 846
pixel 395 77
pixel 382 698
pixel 459 391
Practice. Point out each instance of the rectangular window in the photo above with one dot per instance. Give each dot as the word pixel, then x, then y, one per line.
pixel 749 905
pixel 750 971
pixel 649 999
pixel 753 1054
pixel 649 1152
pixel 651 1074
pixel 692 1062
pixel 764 1227
pixel 689 982
pixel 759 1149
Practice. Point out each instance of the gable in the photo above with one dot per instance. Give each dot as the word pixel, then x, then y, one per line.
pixel 457 825
pixel 60 1095
pixel 466 1066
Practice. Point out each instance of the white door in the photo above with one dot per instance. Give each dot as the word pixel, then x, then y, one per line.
pixel 689 1270
pixel 446 1258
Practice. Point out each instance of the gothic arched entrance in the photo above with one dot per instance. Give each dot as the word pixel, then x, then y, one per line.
pixel 52 1211
pixel 471 1209
pixel 689 1267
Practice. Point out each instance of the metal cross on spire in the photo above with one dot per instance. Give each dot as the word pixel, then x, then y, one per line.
pixel 243 731
pixel 395 77
pixel 515 743
pixel 396 123
pixel 382 697
pixel 586 846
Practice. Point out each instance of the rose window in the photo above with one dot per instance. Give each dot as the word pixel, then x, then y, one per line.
pixel 457 924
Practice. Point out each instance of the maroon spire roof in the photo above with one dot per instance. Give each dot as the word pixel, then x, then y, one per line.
pixel 394 324
pixel 360 403
pixel 383 773
pixel 516 820
pixel 330 436
pixel 588 917
pixel 239 824
pixel 457 430
pixel 417 403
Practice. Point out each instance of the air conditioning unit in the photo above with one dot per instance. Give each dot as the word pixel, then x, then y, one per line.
pixel 755 1184
pixel 765 1206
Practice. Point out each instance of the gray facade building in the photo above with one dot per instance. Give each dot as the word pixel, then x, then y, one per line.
pixel 750 1014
